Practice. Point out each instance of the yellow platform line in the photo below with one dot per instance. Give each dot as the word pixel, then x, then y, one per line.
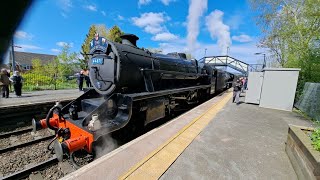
pixel 157 162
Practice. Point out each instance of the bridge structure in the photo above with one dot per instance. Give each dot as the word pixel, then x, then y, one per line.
pixel 236 64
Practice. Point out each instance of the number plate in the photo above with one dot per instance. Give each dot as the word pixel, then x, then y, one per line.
pixel 97 61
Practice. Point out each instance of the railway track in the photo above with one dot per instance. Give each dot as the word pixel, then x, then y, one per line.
pixel 26 172
pixel 23 152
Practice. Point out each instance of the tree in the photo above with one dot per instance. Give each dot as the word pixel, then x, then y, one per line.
pixel 62 66
pixel 114 34
pixel 291 30
pixel 101 30
pixel 85 48
pixel 189 56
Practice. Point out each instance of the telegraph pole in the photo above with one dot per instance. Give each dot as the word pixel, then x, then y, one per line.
pixel 12 56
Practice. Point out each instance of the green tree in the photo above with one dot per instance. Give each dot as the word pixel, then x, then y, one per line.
pixel 101 29
pixel 85 48
pixel 114 34
pixel 291 30
pixel 37 66
pixel 189 56
pixel 62 66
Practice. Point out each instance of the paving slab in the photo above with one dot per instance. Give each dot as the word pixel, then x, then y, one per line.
pixel 241 142
pixel 40 97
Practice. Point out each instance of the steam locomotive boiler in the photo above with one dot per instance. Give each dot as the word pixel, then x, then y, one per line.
pixel 128 81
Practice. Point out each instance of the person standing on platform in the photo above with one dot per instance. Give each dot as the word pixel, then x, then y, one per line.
pixel 8 74
pixel 236 91
pixel 80 80
pixel 87 78
pixel 243 82
pixel 17 80
pixel 4 83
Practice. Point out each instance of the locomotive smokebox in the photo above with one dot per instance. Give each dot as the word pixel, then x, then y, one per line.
pixel 129 39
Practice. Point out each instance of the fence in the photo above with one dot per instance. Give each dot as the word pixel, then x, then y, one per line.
pixel 34 82
pixel 309 101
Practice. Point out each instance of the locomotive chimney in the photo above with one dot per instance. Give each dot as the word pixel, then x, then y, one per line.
pixel 129 39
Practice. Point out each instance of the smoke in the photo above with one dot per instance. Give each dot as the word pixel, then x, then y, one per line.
pixel 219 30
pixel 106 145
pixel 196 10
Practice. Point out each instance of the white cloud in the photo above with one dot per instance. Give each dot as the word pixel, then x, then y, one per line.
pixel 55 50
pixel 196 10
pixel 167 2
pixel 62 44
pixel 23 35
pixel 165 36
pixel 120 17
pixel 151 22
pixel 143 2
pixel 242 38
pixel 243 52
pixel 103 13
pixel 91 7
pixel 219 30
pixel 153 29
pixel 235 21
pixel 65 5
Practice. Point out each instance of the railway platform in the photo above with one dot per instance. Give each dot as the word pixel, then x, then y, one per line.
pixel 16 111
pixel 216 140
pixel 36 97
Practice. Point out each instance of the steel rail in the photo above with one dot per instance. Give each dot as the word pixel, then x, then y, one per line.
pixel 16 132
pixel 10 148
pixel 26 172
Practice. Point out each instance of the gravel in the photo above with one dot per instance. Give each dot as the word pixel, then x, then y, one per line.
pixel 21 158
pixel 53 172
pixel 22 138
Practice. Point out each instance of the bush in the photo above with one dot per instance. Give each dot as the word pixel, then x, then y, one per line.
pixel 315 137
pixel 34 82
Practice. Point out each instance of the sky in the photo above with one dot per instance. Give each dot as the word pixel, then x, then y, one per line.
pixel 199 27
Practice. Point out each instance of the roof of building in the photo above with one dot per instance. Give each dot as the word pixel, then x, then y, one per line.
pixel 27 57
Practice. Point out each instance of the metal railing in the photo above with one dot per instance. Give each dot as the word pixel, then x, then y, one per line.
pixel 32 82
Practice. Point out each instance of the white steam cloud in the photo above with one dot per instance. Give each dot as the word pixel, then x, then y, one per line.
pixel 219 30
pixel 196 10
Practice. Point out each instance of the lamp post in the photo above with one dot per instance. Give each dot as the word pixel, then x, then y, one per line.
pixel 264 58
pixel 205 52
pixel 12 55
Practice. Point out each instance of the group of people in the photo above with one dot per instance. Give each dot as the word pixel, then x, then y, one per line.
pixel 5 81
pixel 83 75
pixel 239 86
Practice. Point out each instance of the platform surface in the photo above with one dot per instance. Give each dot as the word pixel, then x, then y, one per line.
pixel 39 97
pixel 242 142
pixel 238 142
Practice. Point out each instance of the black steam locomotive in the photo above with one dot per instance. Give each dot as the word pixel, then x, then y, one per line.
pixel 129 81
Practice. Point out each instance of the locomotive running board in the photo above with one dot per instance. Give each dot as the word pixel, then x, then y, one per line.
pixel 147 95
pixel 124 105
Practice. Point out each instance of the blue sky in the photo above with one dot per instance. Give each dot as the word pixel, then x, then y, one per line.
pixel 171 25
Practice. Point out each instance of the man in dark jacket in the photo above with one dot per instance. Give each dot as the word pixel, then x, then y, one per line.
pixel 17 80
pixel 4 83
pixel 80 80
pixel 236 91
